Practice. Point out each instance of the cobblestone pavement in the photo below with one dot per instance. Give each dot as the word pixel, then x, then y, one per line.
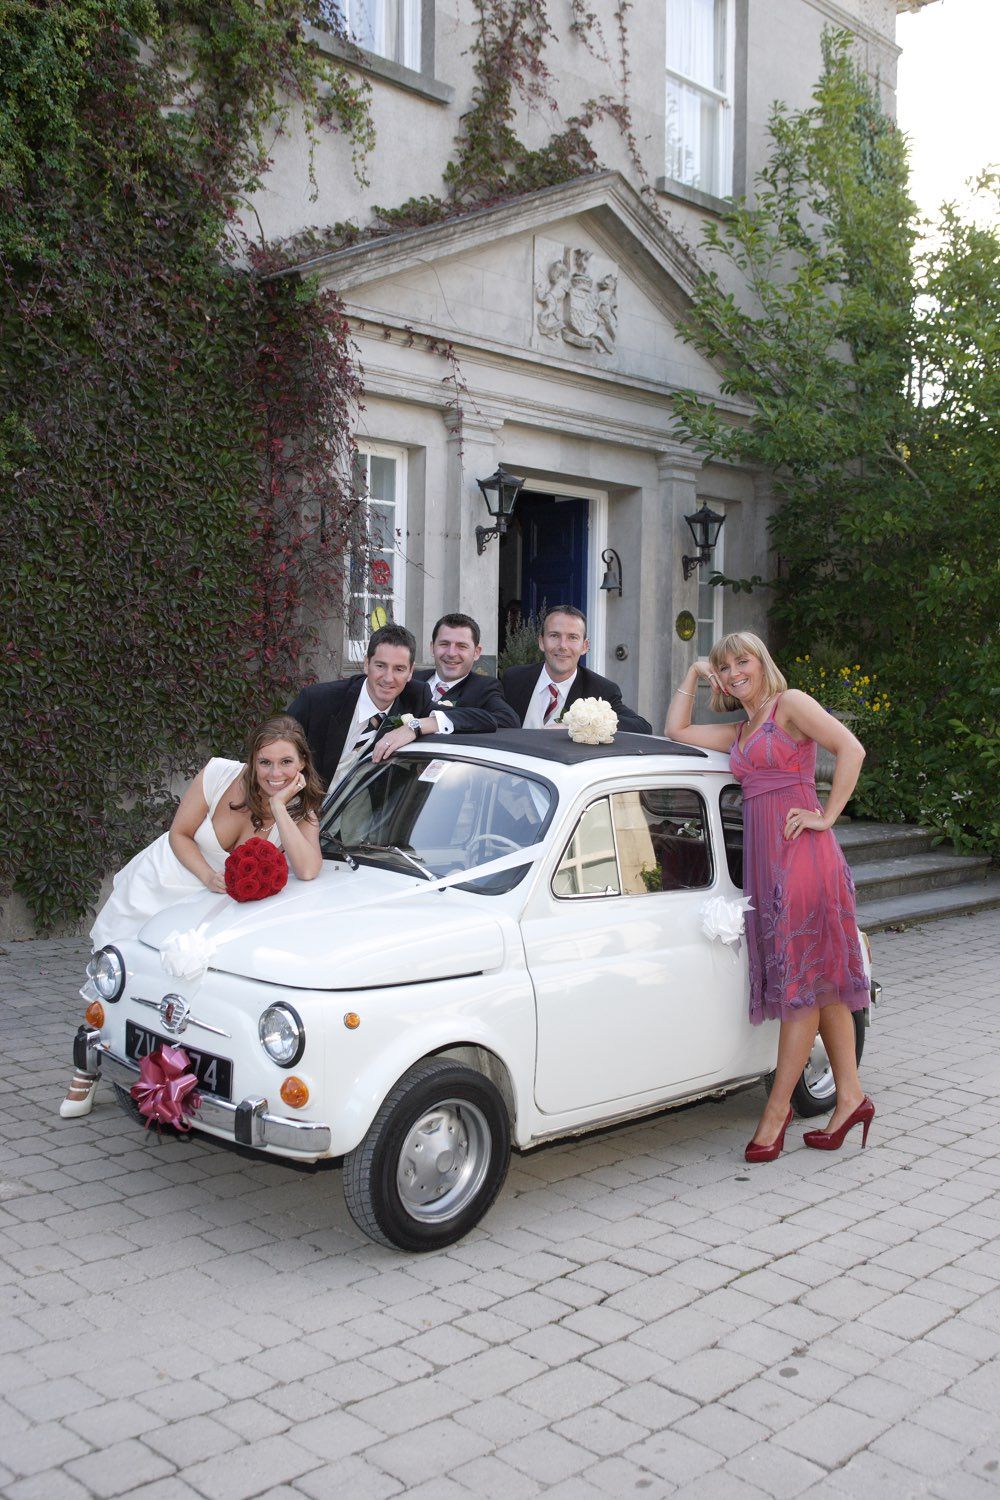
pixel 640 1314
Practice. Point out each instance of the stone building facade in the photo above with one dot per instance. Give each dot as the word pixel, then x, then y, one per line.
pixel 561 309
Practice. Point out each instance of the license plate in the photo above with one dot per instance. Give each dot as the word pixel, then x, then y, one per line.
pixel 214 1074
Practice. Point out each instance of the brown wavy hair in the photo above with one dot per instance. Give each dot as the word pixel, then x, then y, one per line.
pixel 309 800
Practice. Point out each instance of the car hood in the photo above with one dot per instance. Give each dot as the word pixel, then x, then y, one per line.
pixel 345 930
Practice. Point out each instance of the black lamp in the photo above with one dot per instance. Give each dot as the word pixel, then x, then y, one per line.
pixel 500 492
pixel 705 527
pixel 612 580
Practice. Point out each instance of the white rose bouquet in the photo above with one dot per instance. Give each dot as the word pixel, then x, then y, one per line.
pixel 591 721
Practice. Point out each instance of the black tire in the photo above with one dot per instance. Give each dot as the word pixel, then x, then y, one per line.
pixel 125 1101
pixel 450 1104
pixel 815 1093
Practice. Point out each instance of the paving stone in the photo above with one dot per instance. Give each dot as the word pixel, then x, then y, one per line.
pixel 827 1441
pixel 426 1451
pixel 122 1467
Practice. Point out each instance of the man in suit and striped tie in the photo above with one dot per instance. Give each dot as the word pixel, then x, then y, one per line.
pixel 345 721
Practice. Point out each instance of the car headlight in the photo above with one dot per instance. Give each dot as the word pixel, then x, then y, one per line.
pixel 106 972
pixel 282 1035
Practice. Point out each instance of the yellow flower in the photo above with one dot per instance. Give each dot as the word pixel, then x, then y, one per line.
pixel 875 708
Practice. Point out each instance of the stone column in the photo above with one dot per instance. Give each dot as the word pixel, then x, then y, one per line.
pixel 466 580
pixel 664 592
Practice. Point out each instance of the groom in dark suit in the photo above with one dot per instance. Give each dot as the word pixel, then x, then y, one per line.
pixel 455 647
pixel 539 695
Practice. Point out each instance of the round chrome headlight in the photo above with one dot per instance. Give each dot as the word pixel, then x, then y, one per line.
pixel 282 1035
pixel 107 971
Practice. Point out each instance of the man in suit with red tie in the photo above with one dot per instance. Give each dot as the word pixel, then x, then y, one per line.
pixel 455 647
pixel 540 695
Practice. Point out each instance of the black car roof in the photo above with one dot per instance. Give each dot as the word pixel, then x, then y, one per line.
pixel 556 745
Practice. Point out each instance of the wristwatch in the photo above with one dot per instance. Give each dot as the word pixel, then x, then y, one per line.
pixel 417 731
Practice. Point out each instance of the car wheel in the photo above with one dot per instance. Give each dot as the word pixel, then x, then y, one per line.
pixel 125 1101
pixel 433 1160
pixel 816 1093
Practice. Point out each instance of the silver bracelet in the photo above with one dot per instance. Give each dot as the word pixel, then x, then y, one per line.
pixel 687 692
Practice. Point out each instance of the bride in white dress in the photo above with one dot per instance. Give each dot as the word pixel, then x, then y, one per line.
pixel 274 794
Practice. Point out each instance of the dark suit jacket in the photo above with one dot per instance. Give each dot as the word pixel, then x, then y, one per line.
pixel 473 697
pixel 519 685
pixel 326 712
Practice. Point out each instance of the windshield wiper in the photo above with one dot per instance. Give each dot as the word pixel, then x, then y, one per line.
pixel 369 848
pixel 337 846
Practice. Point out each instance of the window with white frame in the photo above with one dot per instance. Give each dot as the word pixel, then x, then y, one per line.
pixel 390 28
pixel 377 574
pixel 699 106
pixel 709 614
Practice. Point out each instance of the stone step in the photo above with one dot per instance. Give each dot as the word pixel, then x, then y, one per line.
pixel 928 906
pixel 937 869
pixel 862 842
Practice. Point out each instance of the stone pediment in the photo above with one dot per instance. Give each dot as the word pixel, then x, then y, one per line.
pixel 580 276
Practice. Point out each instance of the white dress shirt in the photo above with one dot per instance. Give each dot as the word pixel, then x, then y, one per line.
pixel 540 699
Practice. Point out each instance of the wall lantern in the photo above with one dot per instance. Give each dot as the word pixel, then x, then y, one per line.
pixel 705 527
pixel 500 492
pixel 612 580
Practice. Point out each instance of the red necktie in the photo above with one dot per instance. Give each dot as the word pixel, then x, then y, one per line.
pixel 441 689
pixel 552 704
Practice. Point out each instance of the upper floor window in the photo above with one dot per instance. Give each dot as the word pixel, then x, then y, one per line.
pixel 389 28
pixel 377 576
pixel 700 94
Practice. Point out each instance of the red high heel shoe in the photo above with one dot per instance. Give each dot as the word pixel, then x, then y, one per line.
pixel 755 1152
pixel 823 1140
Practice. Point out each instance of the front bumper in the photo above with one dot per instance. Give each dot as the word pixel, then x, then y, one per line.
pixel 247 1123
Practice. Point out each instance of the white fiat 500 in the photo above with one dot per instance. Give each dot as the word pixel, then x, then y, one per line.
pixel 508 943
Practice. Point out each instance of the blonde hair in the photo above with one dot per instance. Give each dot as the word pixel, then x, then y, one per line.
pixel 743 643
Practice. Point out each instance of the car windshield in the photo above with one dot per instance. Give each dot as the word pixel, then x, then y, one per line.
pixel 434 817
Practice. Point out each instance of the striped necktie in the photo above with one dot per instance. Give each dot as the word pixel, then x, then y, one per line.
pixel 552 704
pixel 366 738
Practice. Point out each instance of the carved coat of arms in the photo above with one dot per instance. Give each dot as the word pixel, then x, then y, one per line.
pixel 576 297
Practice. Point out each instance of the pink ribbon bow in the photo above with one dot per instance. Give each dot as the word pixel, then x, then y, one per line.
pixel 164 1084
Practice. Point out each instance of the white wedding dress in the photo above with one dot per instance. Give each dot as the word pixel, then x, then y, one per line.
pixel 155 878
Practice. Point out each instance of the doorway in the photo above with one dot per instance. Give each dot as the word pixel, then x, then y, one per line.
pixel 543 555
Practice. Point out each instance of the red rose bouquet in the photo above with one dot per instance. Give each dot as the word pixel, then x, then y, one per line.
pixel 254 870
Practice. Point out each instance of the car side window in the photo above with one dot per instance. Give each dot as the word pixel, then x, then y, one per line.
pixel 731 808
pixel 663 840
pixel 589 866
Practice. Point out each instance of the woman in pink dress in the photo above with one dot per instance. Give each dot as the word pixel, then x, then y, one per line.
pixel 806 966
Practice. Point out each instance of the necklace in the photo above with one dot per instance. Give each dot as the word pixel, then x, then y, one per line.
pixel 763 704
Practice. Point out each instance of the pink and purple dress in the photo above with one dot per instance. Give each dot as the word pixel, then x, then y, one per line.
pixel 802 933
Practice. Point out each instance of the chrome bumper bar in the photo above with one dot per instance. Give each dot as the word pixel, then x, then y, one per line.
pixel 248 1123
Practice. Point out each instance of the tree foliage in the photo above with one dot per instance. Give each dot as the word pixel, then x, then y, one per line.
pixel 173 420
pixel 871 366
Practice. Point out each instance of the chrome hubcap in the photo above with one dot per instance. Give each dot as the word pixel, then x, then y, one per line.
pixel 817 1074
pixel 443 1161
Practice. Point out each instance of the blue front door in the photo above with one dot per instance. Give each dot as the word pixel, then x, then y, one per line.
pixel 553 552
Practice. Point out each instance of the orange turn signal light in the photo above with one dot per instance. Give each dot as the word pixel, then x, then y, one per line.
pixel 352 1020
pixel 94 1014
pixel 294 1092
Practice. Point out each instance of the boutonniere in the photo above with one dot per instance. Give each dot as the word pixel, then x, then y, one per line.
pixel 442 703
pixel 402 721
